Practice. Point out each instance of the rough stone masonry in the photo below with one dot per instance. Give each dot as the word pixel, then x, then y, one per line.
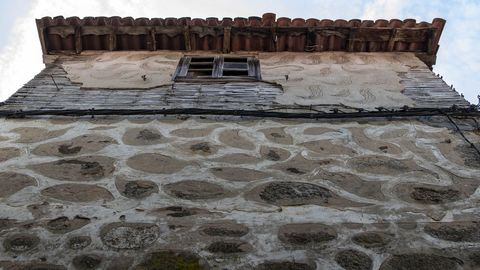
pixel 200 193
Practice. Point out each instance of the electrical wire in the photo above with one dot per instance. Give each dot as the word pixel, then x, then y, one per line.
pixel 462 134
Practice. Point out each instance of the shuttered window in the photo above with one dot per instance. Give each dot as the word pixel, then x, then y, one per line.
pixel 218 67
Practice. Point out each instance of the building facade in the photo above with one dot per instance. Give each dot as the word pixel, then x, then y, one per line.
pixel 246 143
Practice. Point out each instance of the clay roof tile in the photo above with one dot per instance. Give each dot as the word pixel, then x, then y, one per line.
pixel 254 21
pixel 268 19
pixel 240 21
pixel 381 23
pixel 241 40
pixel 283 21
pixel 227 21
pixel 312 22
pixel 354 22
pixel 326 23
pixel 298 22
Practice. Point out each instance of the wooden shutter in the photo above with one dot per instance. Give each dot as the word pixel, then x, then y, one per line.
pixel 254 68
pixel 208 67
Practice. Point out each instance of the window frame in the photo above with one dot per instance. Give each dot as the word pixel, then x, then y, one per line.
pixel 218 68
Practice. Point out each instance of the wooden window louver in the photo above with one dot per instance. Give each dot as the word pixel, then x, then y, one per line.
pixel 218 67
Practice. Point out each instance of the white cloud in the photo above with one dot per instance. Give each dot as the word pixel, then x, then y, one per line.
pixel 21 58
pixel 381 9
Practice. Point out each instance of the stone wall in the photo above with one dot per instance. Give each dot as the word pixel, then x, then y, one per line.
pixel 246 194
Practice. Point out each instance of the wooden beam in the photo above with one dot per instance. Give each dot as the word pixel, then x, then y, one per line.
pixel 430 41
pixel 112 40
pixel 438 24
pixel 351 40
pixel 151 42
pixel 273 32
pixel 186 35
pixel 392 40
pixel 41 35
pixel 226 40
pixel 62 30
pixel 78 39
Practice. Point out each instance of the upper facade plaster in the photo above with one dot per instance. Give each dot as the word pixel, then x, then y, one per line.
pixel 359 80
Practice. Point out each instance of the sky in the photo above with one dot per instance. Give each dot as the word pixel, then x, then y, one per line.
pixel 457 61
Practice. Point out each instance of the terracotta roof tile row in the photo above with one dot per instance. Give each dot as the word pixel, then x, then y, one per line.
pixel 268 19
pixel 266 33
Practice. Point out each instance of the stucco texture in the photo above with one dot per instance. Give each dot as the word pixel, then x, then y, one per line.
pixel 247 194
pixel 359 80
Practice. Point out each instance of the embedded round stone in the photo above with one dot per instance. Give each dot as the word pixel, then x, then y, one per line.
pixel 238 158
pixel 277 135
pixel 420 261
pixel 143 136
pixel 64 224
pixel 274 154
pixel 6 223
pixel 172 259
pixel 232 138
pixel 468 231
pixel 129 235
pixel 475 259
pixel 319 131
pixel 21 242
pixel 80 145
pixel 434 195
pixel 77 193
pixel 196 190
pixel 326 147
pixel 353 184
pixel 12 182
pixel 299 165
pixel 224 228
pixel 353 260
pixel 470 157
pixel 8 153
pixel 284 265
pixel 193 132
pixel 201 147
pixel 238 174
pixel 180 211
pixel 121 262
pixel 294 193
pixel 136 189
pixel 34 134
pixel 310 234
pixel 156 163
pixel 41 266
pixel 229 247
pixel 87 261
pixel 372 239
pixel 78 242
pixel 85 168
pixel 382 165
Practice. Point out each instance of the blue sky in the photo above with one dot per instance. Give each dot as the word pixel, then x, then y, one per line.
pixel 458 61
pixel 11 10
